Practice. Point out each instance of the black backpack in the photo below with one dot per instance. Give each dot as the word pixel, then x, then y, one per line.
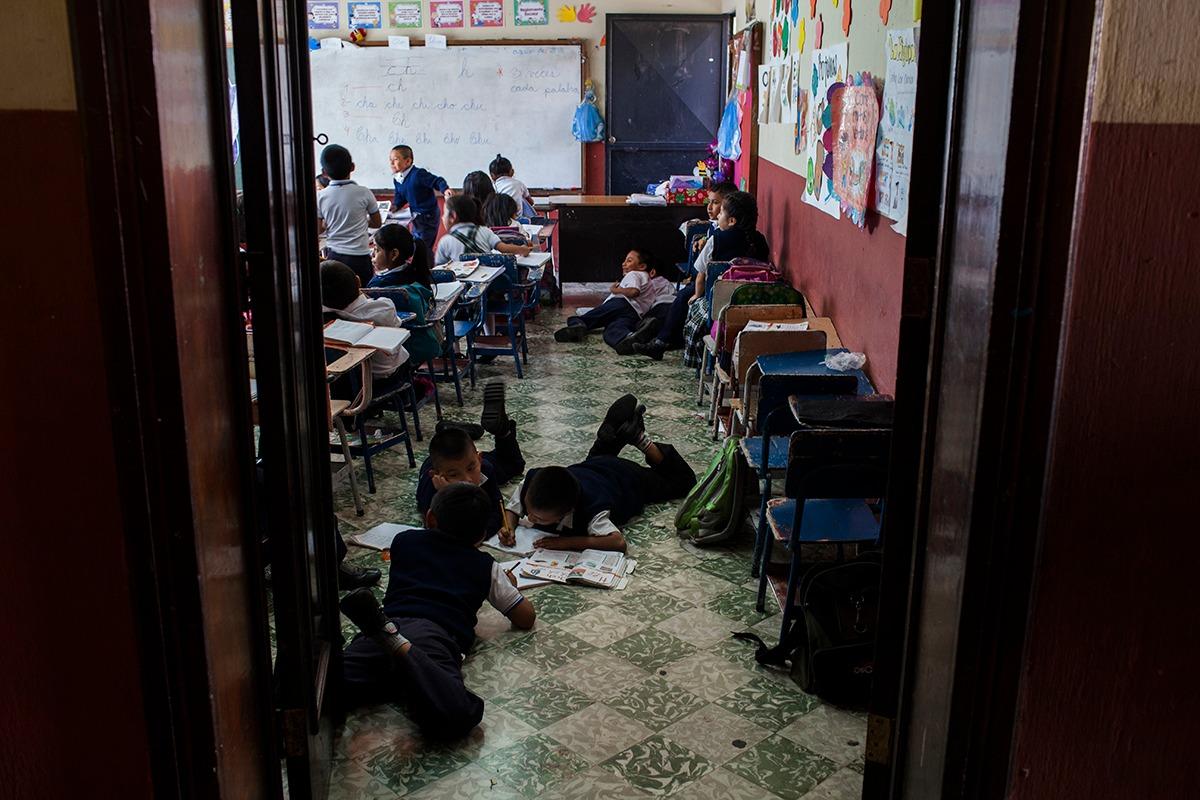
pixel 831 645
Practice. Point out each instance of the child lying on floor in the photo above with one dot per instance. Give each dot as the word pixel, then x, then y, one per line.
pixel 410 650
pixel 621 311
pixel 585 503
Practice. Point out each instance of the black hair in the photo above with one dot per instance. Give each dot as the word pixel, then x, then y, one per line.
pixel 323 179
pixel 500 166
pixel 743 207
pixel 404 150
pixel 336 162
pixel 464 207
pixel 449 444
pixel 397 237
pixel 478 184
pixel 552 489
pixel 646 255
pixel 339 284
pixel 499 210
pixel 724 188
pixel 462 511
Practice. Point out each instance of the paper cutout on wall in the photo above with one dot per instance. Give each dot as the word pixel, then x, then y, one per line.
pixel 785 91
pixel 775 114
pixel 566 13
pixel 764 93
pixel 801 35
pixel 846 16
pixel 885 10
pixel 828 72
pixel 854 150
pixel 812 9
pixel 802 122
pixel 795 11
pixel 916 10
pixel 819 43
pixel 531 12
pixel 781 28
pixel 585 13
pixel 896 125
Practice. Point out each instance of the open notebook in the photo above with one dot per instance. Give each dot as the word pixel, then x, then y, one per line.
pixel 362 334
pixel 442 291
pixel 534 260
pixel 381 536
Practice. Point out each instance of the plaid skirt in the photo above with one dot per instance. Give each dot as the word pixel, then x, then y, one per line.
pixel 695 328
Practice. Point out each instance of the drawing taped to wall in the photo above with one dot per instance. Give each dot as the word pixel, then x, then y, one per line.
pixel 828 74
pixel 896 126
pixel 854 148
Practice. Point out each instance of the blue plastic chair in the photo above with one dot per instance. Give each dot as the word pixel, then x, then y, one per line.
pixel 506 307
pixel 416 322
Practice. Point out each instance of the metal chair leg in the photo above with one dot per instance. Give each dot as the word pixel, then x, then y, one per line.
pixel 340 427
pixel 366 453
pixel 437 398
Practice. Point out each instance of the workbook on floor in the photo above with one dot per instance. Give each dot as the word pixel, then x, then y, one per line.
pixel 605 569
pixel 364 334
pixel 381 536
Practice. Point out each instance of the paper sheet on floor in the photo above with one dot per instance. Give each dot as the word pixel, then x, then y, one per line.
pixel 524 544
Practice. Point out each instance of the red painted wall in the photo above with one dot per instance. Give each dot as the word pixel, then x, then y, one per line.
pixel 1109 705
pixel 851 275
pixel 70 682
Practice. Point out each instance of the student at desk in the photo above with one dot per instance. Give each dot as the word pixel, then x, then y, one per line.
pixel 341 297
pixel 402 266
pixel 465 236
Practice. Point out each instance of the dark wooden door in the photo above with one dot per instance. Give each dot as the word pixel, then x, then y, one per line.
pixel 664 92
pixel 271 65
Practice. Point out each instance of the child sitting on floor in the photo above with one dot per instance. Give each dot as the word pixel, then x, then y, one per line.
pixel 410 650
pixel 586 502
pixel 453 457
pixel 465 236
pixel 617 316
pixel 737 237
pixel 403 267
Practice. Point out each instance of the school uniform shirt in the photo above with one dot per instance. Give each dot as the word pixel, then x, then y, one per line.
pixel 640 281
pixel 600 523
pixel 417 188
pixel 422 343
pixel 345 207
pixel 433 577
pixel 517 191
pixel 661 290
pixel 379 311
pixel 451 246
pixel 490 486
pixel 611 492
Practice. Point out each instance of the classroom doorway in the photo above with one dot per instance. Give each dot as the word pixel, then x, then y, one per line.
pixel 664 88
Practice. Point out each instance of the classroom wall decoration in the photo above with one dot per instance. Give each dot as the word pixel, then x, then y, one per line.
pixel 781 28
pixel 323 16
pixel 896 125
pixel 885 10
pixel 446 13
pixel 487 13
pixel 846 16
pixel 785 91
pixel 828 72
pixel 802 122
pixel 854 149
pixel 531 12
pixel 585 12
pixel 764 93
pixel 819 41
pixel 774 114
pixel 404 14
pixel 364 15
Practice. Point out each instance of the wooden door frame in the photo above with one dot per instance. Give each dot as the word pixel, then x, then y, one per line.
pixel 210 721
pixel 608 23
pixel 990 241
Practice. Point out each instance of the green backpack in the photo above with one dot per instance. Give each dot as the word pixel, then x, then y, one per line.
pixel 713 511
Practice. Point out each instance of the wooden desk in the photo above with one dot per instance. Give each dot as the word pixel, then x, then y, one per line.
pixel 596 231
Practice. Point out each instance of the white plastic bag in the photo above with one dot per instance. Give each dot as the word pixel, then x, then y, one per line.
pixel 844 362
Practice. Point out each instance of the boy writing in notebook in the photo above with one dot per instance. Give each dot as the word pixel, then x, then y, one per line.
pixel 585 504
pixel 453 457
pixel 411 649
pixel 417 188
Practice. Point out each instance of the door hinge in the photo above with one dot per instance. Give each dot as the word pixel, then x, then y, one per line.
pixel 293 729
pixel 879 739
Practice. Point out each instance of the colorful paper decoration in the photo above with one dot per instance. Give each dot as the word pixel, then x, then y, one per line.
pixel 854 148
pixel 487 13
pixel 566 13
pixel 846 15
pixel 404 14
pixel 802 122
pixel 585 13
pixel 827 76
pixel 364 15
pixel 820 32
pixel 894 150
pixel 323 16
pixel 812 9
pixel 916 10
pixel 446 13
pixel 531 12
pixel 764 93
pixel 885 10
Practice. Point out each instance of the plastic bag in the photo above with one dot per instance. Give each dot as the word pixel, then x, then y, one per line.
pixel 844 362
pixel 729 135
pixel 588 126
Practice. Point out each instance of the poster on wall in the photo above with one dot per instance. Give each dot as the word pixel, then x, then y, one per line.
pixel 764 93
pixel 487 13
pixel 828 74
pixel 782 22
pixel 531 12
pixel 446 13
pixel 802 122
pixel 896 126
pixel 404 14
pixel 364 15
pixel 323 16
pixel 854 150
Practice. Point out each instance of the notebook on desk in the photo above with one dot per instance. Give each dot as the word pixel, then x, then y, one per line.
pixel 362 334
pixel 444 291
pixel 534 260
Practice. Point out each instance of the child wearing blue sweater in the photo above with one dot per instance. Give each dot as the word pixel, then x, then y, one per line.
pixel 417 188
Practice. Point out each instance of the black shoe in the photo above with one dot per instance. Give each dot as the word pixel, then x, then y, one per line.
pixel 357 577
pixel 624 423
pixel 654 349
pixel 494 419
pixel 361 608
pixel 625 346
pixel 474 431
pixel 571 333
pixel 646 330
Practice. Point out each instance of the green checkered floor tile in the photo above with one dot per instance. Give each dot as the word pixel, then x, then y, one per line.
pixel 637 693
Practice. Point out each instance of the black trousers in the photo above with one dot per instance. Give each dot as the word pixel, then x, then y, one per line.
pixel 360 264
pixel 428 679
pixel 670 479
pixel 671 331
pixel 615 315
pixel 506 459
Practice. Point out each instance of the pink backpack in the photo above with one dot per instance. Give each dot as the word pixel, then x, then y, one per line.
pixel 751 269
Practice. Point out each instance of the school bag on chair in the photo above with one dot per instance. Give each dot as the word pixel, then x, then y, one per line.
pixel 714 510
pixel 751 269
pixel 831 645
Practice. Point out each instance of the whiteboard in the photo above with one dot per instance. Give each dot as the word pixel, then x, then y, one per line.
pixel 456 107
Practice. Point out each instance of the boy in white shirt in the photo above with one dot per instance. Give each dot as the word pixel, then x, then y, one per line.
pixel 342 297
pixel 501 170
pixel 345 212
pixel 465 236
pixel 621 311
